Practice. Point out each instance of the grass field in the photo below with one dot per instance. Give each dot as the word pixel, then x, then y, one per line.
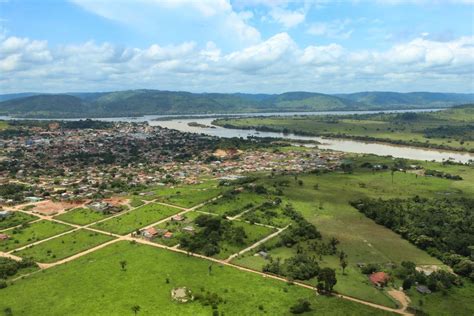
pixel 186 195
pixel 64 246
pixel 362 239
pixel 81 216
pixel 31 233
pixel 142 216
pixel 96 285
pixel 233 205
pixel 17 218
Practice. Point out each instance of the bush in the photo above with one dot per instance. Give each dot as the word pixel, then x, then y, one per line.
pixel 301 307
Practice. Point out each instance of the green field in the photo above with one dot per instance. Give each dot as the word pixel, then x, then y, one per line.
pixel 327 206
pixel 81 216
pixel 137 218
pixel 186 195
pixel 15 219
pixel 30 233
pixel 96 285
pixel 449 129
pixel 64 246
pixel 234 204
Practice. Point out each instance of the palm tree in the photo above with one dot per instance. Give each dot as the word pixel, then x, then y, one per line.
pixel 135 309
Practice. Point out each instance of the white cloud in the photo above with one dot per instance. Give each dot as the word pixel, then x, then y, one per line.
pixel 274 65
pixel 337 29
pixel 147 15
pixel 287 18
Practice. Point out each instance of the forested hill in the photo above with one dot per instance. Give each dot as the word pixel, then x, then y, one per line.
pixel 143 102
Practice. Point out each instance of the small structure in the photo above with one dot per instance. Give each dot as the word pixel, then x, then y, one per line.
pixel 263 254
pixel 189 229
pixel 5 214
pixel 182 294
pixel 33 199
pixel 379 279
pixel 423 289
pixel 4 237
pixel 99 206
pixel 178 218
pixel 149 233
pixel 168 235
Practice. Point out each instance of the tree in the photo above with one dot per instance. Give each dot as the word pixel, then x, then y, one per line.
pixel 343 263
pixel 327 277
pixel 136 309
pixel 123 264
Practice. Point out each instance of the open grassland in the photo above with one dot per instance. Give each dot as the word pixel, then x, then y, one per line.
pixel 81 216
pixel 186 195
pixel 96 285
pixel 456 301
pixel 15 219
pixel 135 219
pixel 232 205
pixel 450 129
pixel 64 246
pixel 31 233
pixel 324 200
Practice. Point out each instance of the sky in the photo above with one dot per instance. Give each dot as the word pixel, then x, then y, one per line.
pixel 253 46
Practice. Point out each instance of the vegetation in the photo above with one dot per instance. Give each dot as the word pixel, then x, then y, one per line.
pixel 81 216
pixel 141 102
pixel 98 280
pixel 442 227
pixel 30 233
pixel 449 129
pixel 10 267
pixel 137 218
pixel 15 219
pixel 64 246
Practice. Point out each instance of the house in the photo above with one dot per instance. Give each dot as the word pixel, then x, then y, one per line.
pixel 423 289
pixel 178 218
pixel 263 254
pixel 33 199
pixel 4 237
pixel 189 229
pixel 99 206
pixel 168 235
pixel 5 214
pixel 379 279
pixel 149 233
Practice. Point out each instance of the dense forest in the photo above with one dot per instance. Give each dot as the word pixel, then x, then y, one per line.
pixel 444 227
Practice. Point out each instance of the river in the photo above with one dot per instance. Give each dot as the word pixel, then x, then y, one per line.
pixel 346 145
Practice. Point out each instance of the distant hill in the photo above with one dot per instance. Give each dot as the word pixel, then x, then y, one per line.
pixel 146 102
pixel 411 99
pixel 11 96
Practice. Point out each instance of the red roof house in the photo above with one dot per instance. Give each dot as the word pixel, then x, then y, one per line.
pixel 379 278
pixel 4 236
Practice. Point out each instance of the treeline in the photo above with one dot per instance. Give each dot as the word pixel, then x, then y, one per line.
pixel 79 124
pixel 444 227
pixel 441 174
pixel 10 267
pixel 463 132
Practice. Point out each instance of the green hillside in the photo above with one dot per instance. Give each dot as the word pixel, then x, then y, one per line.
pixel 146 102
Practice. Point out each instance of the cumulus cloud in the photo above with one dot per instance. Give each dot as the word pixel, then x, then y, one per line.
pixel 337 29
pixel 149 15
pixel 274 65
pixel 287 18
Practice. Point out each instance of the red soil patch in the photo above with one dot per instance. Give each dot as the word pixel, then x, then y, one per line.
pixel 50 207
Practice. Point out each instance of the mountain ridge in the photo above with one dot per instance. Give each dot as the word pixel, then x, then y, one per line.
pixel 148 102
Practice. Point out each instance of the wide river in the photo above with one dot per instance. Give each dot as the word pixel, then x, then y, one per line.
pixel 346 145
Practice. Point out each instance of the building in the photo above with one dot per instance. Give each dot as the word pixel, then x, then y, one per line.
pixel 178 218
pixel 5 214
pixel 379 279
pixel 189 229
pixel 149 233
pixel 168 235
pixel 423 289
pixel 4 236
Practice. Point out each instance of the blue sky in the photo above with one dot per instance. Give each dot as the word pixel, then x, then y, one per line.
pixel 237 46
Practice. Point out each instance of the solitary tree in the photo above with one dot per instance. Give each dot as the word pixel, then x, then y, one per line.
pixel 327 277
pixel 123 264
pixel 343 263
pixel 136 309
